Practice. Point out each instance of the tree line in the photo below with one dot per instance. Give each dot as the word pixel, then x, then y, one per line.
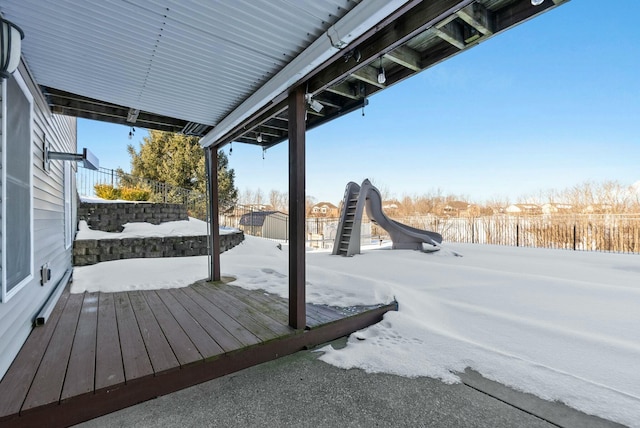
pixel 178 160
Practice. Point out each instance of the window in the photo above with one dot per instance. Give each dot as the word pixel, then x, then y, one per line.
pixel 17 214
pixel 68 214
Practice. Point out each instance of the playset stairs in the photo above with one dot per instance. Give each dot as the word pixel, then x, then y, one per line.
pixel 350 222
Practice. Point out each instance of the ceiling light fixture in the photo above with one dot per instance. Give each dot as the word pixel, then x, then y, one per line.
pixel 537 2
pixel 10 42
pixel 382 78
pixel 259 138
pixel 132 115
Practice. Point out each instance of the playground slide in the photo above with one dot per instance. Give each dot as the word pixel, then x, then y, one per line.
pixel 403 236
pixel 356 199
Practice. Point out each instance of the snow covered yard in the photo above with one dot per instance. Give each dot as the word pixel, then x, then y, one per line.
pixel 560 324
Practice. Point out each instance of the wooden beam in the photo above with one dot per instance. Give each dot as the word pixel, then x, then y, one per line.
pixel 274 126
pixel 518 12
pixel 368 74
pixel 325 101
pixel 452 33
pixel 478 16
pixel 406 57
pixel 344 89
pixel 297 174
pixel 421 17
pixel 70 104
pixel 211 156
pixel 315 113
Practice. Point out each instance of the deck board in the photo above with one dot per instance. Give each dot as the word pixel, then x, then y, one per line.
pixel 204 342
pixel 185 350
pixel 243 335
pixel 20 375
pixel 263 327
pixel 134 354
pixel 47 384
pixel 109 367
pixel 160 353
pixel 261 302
pixel 266 318
pixel 278 306
pixel 101 352
pixel 82 362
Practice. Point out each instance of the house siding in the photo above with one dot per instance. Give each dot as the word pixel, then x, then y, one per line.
pixel 18 312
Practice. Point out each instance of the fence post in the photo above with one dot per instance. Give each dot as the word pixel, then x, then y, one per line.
pixel 574 237
pixel 473 231
pixel 517 234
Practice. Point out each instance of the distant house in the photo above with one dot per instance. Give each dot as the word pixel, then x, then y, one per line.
pixel 598 209
pixel 324 209
pixel 391 207
pixel 38 204
pixel 267 224
pixel 523 209
pixel 458 209
pixel 551 208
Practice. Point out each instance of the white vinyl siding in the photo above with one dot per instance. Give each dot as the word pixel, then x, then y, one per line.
pixel 17 209
pixel 50 222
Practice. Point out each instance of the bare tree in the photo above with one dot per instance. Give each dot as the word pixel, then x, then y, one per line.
pixel 309 202
pixel 279 201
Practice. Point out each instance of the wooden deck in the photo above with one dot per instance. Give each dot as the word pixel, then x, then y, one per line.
pixel 100 352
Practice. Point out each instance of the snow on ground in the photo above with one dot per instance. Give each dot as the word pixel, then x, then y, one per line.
pixel 191 227
pixel 96 200
pixel 560 324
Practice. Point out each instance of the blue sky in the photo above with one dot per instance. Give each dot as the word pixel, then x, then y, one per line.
pixel 549 104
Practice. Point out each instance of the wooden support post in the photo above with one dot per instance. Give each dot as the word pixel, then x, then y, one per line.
pixel 297 128
pixel 211 157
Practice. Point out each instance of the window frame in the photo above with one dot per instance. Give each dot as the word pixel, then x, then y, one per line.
pixel 4 294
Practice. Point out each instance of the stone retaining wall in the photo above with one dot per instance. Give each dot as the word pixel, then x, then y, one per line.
pixel 110 217
pixel 92 251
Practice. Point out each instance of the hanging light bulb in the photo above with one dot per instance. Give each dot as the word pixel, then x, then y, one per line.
pixel 259 138
pixel 230 148
pixel 382 78
pixel 537 2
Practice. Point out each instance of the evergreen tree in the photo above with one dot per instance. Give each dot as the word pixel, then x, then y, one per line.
pixel 178 160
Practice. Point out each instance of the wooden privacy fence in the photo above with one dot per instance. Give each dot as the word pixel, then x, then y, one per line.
pixel 583 232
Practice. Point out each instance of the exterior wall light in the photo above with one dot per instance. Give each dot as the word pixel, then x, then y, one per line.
pixel 314 104
pixel 10 42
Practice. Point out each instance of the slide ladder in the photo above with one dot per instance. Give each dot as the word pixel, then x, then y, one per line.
pixel 347 240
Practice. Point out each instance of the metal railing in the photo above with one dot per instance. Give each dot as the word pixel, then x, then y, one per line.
pixel 195 202
pixel 581 232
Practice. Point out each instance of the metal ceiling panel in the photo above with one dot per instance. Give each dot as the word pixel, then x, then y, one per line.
pixel 188 59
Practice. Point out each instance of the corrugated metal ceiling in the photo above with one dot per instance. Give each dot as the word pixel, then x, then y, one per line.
pixel 187 59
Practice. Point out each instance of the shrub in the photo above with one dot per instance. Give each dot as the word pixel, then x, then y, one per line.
pixel 107 191
pixel 134 194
